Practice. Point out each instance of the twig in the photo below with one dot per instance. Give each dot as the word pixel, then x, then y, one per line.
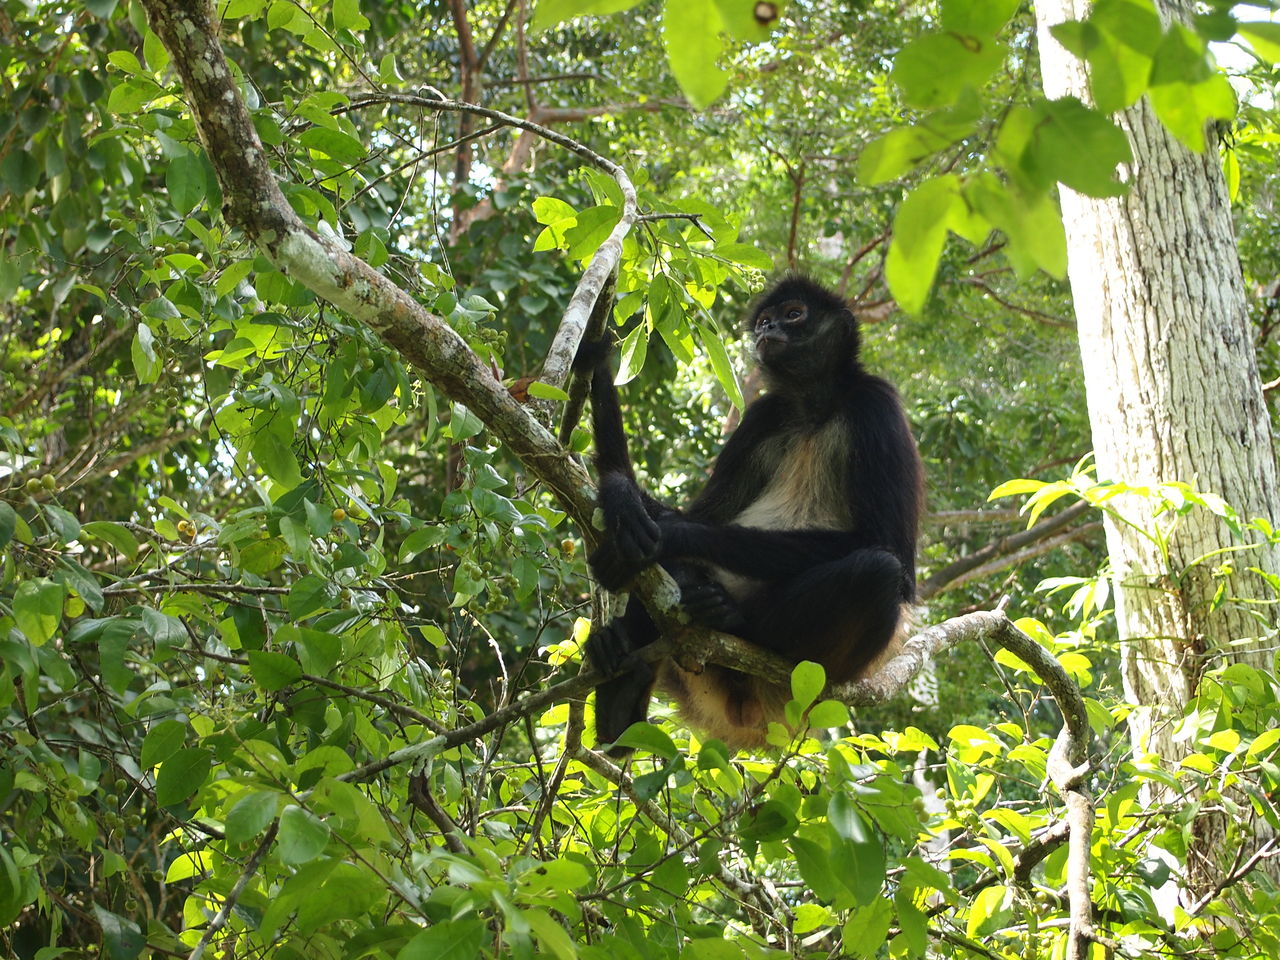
pixel 572 746
pixel 1046 318
pixel 220 919
pixel 420 796
pixel 1264 852
pixel 958 569
pixel 1068 767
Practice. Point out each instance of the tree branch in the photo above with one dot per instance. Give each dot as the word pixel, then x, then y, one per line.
pixel 254 202
pixel 960 570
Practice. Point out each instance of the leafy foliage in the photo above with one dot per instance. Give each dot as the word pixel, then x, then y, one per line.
pixel 248 554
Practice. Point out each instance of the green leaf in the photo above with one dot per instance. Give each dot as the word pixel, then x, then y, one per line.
pixel 189 865
pixel 898 151
pixel 1180 58
pixel 458 939
pixel 64 524
pixel 807 682
pixel 919 232
pixel 273 671
pixel 550 12
pixel 125 60
pixel 829 713
pixel 1186 108
pixel 231 277
pixel 8 523
pixel 310 594
pixel 747 20
pixel 463 424
pixel 551 936
pixel 858 848
pixel 132 95
pixel 545 391
pixel 647 736
pixel 162 742
pixel 302 835
pixel 145 362
pixel 250 816
pixel 935 69
pixel 113 642
pixel 912 923
pixel 122 938
pixel 163 629
pixel 745 254
pixel 634 350
pixel 1264 37
pixel 772 820
pixel 182 775
pixel 866 929
pixel 37 609
pixel 185 180
pixel 814 863
pixel 1078 146
pixel 991 910
pixel 1035 231
pixel 723 367
pixel 333 143
pixel 117 535
pixel 691 36
pixel 1013 488
pixel 977 17
pixel 549 210
pixel 263 556
pixel 592 228
pixel 274 454
pixel 347 15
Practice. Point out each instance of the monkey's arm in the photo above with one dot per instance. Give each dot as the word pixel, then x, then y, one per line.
pixel 763 554
pixel 632 535
pixel 884 481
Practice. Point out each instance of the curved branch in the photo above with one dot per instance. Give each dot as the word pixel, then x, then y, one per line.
pixel 963 569
pixel 254 202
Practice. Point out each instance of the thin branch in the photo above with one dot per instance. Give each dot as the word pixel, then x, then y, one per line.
pixel 941 517
pixel 1264 852
pixel 250 867
pixel 1008 560
pixel 1045 318
pixel 392 706
pixel 549 78
pixel 1068 767
pixel 957 569
pixel 420 796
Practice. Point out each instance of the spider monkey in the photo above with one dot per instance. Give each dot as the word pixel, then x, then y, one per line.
pixel 802 542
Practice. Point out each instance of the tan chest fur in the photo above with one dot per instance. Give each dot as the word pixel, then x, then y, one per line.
pixel 807 492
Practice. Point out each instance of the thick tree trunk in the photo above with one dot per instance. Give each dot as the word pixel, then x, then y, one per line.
pixel 1173 394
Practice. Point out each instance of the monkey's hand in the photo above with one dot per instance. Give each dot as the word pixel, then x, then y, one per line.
pixel 710 605
pixel 632 540
pixel 611 569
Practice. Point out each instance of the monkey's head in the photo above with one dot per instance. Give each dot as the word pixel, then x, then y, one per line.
pixel 802 331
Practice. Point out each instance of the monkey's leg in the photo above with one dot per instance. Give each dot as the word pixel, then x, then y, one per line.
pixel 623 700
pixel 841 614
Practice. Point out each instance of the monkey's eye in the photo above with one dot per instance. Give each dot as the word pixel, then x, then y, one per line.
pixel 795 313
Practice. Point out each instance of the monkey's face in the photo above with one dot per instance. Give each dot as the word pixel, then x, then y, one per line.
pixel 780 327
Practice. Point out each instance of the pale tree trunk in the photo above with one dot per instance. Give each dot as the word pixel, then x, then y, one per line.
pixel 1173 394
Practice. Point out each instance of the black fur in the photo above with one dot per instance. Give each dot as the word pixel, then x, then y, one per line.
pixel 803 540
